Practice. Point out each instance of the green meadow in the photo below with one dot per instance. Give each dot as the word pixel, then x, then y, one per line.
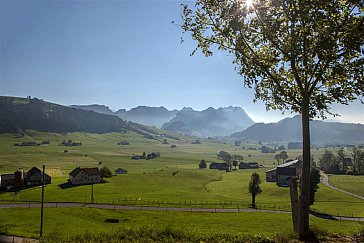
pixel 92 221
pixel 351 184
pixel 173 179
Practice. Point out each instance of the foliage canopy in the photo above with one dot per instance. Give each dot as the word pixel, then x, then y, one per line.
pixel 289 51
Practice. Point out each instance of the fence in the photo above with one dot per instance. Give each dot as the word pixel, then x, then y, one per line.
pixel 140 202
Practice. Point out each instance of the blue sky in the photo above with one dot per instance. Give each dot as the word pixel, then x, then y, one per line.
pixel 121 54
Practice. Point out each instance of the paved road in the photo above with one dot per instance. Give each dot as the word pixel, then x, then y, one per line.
pixel 325 181
pixel 176 209
pixel 16 239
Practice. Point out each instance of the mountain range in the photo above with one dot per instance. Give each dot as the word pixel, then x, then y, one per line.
pixel 146 115
pixel 289 130
pixel 26 113
pixel 210 122
pixel 18 114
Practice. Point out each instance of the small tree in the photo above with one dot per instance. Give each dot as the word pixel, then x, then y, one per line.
pixel 314 181
pixel 358 161
pixel 235 163
pixel 254 187
pixel 278 158
pixel 284 156
pixel 328 163
pixel 281 147
pixel 202 164
pixel 105 172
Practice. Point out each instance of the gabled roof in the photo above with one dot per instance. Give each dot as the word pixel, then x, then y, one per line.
pixel 33 170
pixel 271 170
pixel 75 171
pixel 297 163
pixel 89 171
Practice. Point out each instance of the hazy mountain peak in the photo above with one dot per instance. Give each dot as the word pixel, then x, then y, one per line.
pixel 187 109
pixel 209 122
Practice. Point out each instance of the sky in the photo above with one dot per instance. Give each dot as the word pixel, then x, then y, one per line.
pixel 121 54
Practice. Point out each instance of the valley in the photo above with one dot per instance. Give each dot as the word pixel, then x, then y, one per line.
pixel 172 180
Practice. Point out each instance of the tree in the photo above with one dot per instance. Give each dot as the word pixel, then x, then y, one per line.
pixel 224 156
pixel 340 160
pixel 266 149
pixel 281 147
pixel 277 157
pixel 254 187
pixel 235 163
pixel 358 161
pixel 284 156
pixel 314 181
pixel 202 164
pixel 105 172
pixel 328 163
pixel 297 55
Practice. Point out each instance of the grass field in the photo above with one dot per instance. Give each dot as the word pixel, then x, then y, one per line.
pixel 26 222
pixel 353 184
pixel 152 181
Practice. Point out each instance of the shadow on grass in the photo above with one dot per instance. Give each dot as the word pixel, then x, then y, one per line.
pixel 323 215
pixel 67 185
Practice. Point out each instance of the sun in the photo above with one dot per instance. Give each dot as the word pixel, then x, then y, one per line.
pixel 249 3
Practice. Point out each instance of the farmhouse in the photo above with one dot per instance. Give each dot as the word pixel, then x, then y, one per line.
pixel 80 176
pixel 19 178
pixel 283 173
pixel 219 166
pixel 271 175
pixel 121 171
pixel 251 165
pixel 7 181
pixel 153 155
pixel 34 177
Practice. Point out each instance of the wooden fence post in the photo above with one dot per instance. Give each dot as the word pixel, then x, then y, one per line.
pixel 294 203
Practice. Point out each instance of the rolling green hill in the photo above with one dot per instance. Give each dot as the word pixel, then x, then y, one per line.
pixel 19 114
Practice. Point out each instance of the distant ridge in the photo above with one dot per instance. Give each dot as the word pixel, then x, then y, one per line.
pixel 210 122
pixel 103 109
pixel 24 113
pixel 289 129
pixel 149 116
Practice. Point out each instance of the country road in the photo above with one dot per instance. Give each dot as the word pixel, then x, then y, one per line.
pixel 176 209
pixel 325 181
pixel 16 239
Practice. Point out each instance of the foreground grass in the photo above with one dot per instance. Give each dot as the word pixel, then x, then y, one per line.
pixel 69 223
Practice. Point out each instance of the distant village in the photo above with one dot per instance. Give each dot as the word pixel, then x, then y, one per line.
pixel 82 176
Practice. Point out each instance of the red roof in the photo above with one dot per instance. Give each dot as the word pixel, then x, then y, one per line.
pixel 89 171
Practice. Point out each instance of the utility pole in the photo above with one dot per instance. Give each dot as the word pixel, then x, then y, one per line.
pixel 92 193
pixel 42 204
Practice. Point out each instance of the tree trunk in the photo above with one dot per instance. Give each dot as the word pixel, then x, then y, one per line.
pixel 253 200
pixel 304 199
pixel 354 161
